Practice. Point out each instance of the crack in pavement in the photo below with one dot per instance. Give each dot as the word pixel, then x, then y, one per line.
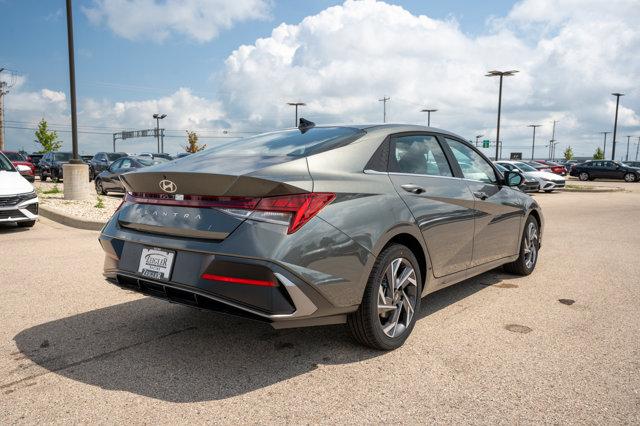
pixel 96 357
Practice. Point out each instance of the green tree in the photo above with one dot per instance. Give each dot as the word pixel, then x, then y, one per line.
pixel 568 153
pixel 192 143
pixel 47 139
pixel 599 154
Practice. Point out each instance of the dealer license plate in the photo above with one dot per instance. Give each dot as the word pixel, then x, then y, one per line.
pixel 156 263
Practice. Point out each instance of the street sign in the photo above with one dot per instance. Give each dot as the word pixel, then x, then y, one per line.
pixel 486 143
pixel 516 156
pixel 128 134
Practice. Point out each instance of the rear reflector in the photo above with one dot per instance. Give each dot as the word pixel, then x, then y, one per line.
pixel 292 211
pixel 235 280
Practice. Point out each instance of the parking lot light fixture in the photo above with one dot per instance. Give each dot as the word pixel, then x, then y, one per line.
pixel 637 148
pixel 533 143
pixel 296 105
pixel 159 117
pixel 501 74
pixel 615 125
pixel 626 158
pixel 428 111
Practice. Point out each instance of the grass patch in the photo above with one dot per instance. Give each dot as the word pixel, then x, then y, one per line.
pixel 54 190
pixel 99 203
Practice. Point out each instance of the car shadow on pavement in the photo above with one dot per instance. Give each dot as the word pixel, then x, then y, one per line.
pixel 6 228
pixel 174 353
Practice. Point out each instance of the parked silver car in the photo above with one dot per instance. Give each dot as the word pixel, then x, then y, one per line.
pixel 321 225
pixel 548 181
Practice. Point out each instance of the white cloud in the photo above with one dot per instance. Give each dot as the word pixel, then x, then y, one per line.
pixel 201 20
pixel 571 55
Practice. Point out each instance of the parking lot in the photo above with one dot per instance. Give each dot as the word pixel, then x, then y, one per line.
pixel 495 349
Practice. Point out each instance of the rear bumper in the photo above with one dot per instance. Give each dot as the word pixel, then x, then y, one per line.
pixel 309 289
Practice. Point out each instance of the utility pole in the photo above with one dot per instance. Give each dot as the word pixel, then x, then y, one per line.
pixel 552 142
pixel 604 149
pixel 384 108
pixel 533 143
pixel 615 125
pixel 500 74
pixel 4 89
pixel 627 157
pixel 296 105
pixel 428 111
pixel 637 148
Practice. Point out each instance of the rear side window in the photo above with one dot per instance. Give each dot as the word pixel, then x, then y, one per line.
pixel 472 164
pixel 291 143
pixel 419 154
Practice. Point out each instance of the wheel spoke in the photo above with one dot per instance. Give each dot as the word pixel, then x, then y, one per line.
pixel 407 307
pixel 406 277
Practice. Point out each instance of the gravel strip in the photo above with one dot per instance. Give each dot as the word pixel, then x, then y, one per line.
pixel 80 209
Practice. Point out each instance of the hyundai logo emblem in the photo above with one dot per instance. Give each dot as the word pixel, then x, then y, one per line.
pixel 168 186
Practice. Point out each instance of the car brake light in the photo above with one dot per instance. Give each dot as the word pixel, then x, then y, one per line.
pixel 292 210
pixel 236 280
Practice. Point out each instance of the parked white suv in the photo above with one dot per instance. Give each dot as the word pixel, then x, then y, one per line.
pixel 18 198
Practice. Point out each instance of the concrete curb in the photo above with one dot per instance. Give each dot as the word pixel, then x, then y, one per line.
pixel 68 220
pixel 593 189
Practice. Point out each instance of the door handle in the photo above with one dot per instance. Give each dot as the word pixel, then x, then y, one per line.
pixel 481 195
pixel 414 189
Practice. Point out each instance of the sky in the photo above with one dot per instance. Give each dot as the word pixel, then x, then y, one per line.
pixel 227 69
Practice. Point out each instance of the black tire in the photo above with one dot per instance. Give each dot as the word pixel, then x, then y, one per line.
pixel 548 190
pixel 54 176
pixel 522 266
pixel 583 176
pixel 99 188
pixel 27 224
pixel 630 177
pixel 366 323
pixel 43 178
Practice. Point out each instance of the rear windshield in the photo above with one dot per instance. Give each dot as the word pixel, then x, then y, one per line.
pixel 14 156
pixel 526 168
pixel 62 156
pixel 292 143
pixel 5 164
pixel 151 161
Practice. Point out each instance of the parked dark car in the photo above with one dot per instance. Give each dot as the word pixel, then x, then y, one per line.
pixel 321 225
pixel 109 179
pixel 605 169
pixel 35 160
pixel 51 165
pixel 86 158
pixel 156 155
pixel 556 168
pixel 101 161
pixel 24 166
pixel 182 154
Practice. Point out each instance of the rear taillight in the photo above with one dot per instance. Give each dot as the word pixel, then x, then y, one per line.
pixel 292 211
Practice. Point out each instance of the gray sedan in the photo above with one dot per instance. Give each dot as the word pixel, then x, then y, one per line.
pixel 321 225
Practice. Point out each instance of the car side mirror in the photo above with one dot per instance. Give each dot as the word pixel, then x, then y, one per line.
pixel 512 178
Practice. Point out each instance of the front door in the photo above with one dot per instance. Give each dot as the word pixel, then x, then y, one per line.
pixel 441 204
pixel 498 209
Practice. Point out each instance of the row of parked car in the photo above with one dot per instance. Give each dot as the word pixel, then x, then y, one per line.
pixel 49 165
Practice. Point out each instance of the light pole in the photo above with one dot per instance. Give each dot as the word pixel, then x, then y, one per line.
pixel 628 139
pixel 384 101
pixel 428 111
pixel 477 138
pixel 637 148
pixel 604 149
pixel 296 105
pixel 533 142
pixel 615 125
pixel 500 74
pixel 158 117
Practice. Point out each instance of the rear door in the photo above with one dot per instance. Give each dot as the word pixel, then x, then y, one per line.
pixel 499 210
pixel 441 203
pixel 110 174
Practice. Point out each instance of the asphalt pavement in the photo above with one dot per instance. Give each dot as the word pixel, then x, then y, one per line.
pixel 559 346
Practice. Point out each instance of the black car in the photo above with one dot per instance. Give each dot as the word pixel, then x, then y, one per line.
pixel 109 179
pixel 604 169
pixel 35 160
pixel 51 165
pixel 101 161
pixel 632 163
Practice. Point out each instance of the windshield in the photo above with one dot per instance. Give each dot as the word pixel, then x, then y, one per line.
pixel 5 164
pixel 62 156
pixel 113 156
pixel 14 156
pixel 291 143
pixel 151 162
pixel 525 167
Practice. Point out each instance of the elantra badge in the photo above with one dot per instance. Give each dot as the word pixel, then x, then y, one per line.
pixel 168 186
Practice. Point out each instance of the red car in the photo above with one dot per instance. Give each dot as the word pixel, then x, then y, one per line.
pixel 28 170
pixel 556 168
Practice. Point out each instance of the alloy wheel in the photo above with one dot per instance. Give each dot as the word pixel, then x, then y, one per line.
pixel 531 245
pixel 397 295
pixel 584 176
pixel 629 177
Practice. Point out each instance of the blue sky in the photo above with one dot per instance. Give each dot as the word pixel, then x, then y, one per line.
pixel 228 68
